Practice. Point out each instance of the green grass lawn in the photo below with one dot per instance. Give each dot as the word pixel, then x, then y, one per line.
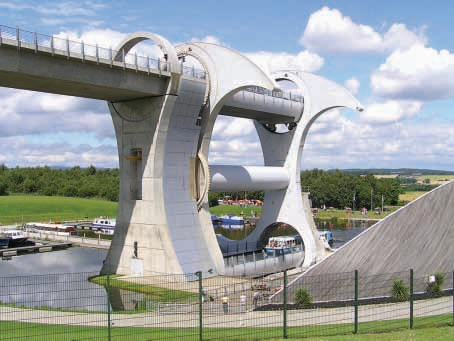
pixel 23 208
pixel 157 294
pixel 237 210
pixel 431 328
pixel 27 208
pixel 341 214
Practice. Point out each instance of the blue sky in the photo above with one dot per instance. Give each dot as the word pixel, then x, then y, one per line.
pixel 397 57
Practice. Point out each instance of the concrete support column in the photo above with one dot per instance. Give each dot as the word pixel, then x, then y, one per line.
pixel 158 226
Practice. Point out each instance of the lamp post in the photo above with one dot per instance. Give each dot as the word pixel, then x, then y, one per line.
pixel 354 201
pixel 371 199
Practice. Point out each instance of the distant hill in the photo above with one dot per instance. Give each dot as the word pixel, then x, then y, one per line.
pixel 398 171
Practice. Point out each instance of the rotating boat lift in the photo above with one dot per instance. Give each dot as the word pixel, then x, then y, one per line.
pixel 163 221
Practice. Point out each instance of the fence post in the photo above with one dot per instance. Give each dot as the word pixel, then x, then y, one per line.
pixel 199 277
pixel 356 301
pixel 285 304
pixel 109 322
pixel 453 298
pixel 411 298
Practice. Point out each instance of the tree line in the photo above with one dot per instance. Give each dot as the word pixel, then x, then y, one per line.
pixel 338 189
pixel 71 182
pixel 330 188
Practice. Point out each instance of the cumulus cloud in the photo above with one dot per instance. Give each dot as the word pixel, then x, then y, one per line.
pixel 352 85
pixel 419 73
pixel 328 30
pixel 209 39
pixel 390 111
pixel 270 61
pixel 28 113
pixel 21 152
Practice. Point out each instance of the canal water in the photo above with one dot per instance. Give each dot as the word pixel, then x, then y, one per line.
pixel 59 279
pixel 77 259
pixel 54 279
pixel 342 230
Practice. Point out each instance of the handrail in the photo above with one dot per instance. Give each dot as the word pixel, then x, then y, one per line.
pixel 277 94
pixel 102 55
pixel 78 49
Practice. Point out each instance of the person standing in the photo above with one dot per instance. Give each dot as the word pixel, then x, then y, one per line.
pixel 225 304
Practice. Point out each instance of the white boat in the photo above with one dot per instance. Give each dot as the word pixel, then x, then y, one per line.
pixel 51 229
pixel 283 245
pixel 231 221
pixel 104 225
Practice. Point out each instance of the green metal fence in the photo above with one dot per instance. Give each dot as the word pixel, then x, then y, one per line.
pixel 191 307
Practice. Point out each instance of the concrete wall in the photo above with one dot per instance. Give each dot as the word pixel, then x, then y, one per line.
pixel 419 236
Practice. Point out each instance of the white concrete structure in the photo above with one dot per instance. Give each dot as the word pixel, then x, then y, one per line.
pixel 248 178
pixel 285 150
pixel 164 119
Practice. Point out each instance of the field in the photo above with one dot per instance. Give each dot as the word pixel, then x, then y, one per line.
pixel 22 208
pixel 410 196
pixel 436 179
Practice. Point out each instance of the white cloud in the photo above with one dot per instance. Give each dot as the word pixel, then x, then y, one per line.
pixel 328 30
pixel 419 73
pixel 390 111
pixel 352 85
pixel 270 61
pixel 29 113
pixel 208 39
pixel 233 127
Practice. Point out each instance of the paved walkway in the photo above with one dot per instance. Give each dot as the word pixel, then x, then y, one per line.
pixel 306 317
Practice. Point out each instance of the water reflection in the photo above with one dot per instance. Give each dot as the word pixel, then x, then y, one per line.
pixel 54 279
pixel 60 279
pixel 75 259
pixel 343 230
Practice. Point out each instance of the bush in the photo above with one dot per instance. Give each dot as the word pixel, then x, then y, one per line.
pixel 400 291
pixel 303 298
pixel 435 289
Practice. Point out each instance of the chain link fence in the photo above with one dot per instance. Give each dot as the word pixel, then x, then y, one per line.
pixel 84 306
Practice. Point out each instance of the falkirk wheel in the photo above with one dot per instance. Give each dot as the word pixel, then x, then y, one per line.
pixel 163 220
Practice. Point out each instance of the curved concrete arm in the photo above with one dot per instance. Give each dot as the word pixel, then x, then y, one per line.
pixel 166 47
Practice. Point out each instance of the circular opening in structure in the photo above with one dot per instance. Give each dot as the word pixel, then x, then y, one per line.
pixel 145 54
pixel 280 235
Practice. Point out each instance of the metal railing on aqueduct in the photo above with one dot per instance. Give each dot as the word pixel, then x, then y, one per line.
pixel 189 307
pixel 68 48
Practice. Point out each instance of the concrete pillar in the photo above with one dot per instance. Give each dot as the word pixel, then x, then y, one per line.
pixel 157 145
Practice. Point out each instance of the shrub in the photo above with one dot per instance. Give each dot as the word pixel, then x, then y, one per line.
pixel 400 291
pixel 303 298
pixel 435 289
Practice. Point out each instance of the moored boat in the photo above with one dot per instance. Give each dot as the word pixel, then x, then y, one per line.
pixel 231 221
pixel 14 238
pixel 327 237
pixel 54 229
pixel 104 225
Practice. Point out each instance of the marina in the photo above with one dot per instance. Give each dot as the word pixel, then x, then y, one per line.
pixel 38 247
